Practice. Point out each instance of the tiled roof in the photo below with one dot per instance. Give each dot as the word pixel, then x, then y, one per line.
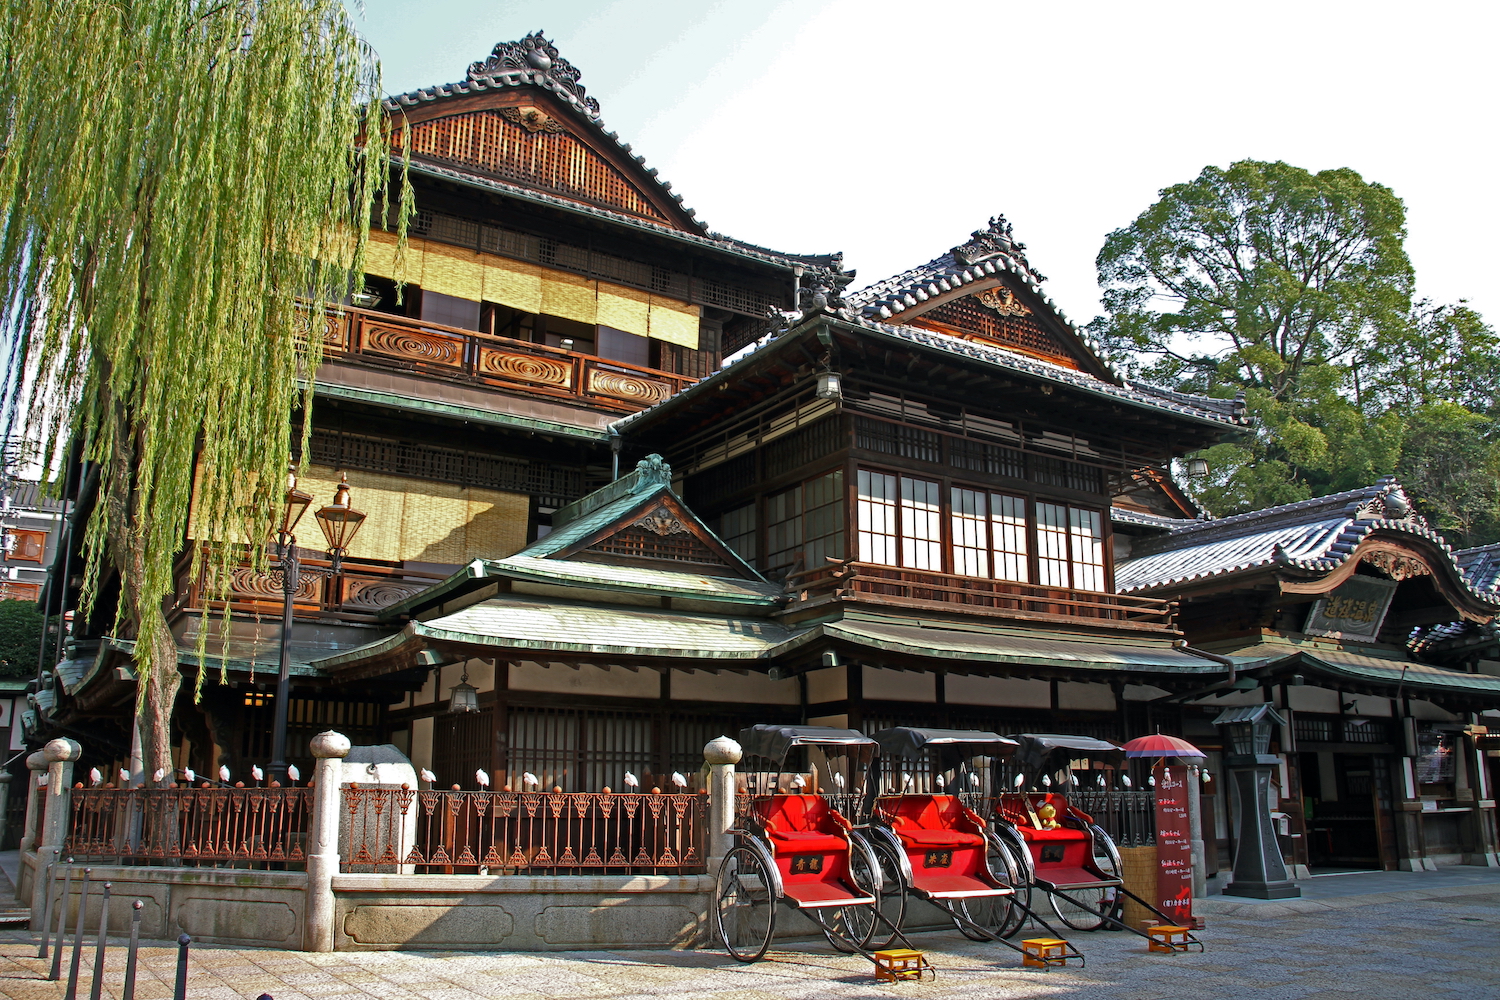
pixel 533 62
pixel 1315 536
pixel 1120 515
pixel 1482 564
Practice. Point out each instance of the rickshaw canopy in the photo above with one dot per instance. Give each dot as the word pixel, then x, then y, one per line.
pixel 905 741
pixel 773 741
pixel 1049 751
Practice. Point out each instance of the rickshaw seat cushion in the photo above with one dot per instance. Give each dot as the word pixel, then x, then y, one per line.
pixel 807 842
pixel 1062 833
pixel 914 837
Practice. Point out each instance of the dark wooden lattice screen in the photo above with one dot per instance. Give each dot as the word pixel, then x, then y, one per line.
pixel 1021 331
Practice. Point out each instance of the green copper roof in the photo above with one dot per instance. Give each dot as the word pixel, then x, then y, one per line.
pixel 946 641
pixel 458 411
pixel 542 627
pixel 1392 671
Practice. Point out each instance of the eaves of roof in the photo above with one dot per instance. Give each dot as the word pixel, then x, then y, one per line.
pixel 1482 564
pixel 1120 515
pixel 712 242
pixel 1391 671
pixel 1220 414
pixel 455 411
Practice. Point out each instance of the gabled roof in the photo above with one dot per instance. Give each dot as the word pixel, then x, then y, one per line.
pixel 535 62
pixel 1312 537
pixel 566 557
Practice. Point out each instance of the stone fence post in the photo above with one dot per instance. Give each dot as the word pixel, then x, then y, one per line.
pixel 60 755
pixel 5 780
pixel 722 754
pixel 36 763
pixel 330 749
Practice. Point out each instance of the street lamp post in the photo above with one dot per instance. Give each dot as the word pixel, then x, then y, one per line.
pixel 340 522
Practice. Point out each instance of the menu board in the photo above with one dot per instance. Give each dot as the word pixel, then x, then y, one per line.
pixel 1174 848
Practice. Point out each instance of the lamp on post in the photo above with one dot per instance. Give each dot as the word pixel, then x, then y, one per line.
pixel 1259 871
pixel 340 522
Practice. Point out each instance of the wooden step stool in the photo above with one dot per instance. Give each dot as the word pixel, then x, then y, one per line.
pixel 1168 938
pixel 901 963
pixel 1043 953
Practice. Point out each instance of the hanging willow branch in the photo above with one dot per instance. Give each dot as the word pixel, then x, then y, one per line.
pixel 175 177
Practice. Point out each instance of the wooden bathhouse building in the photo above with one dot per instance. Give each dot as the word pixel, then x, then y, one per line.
pixel 632 484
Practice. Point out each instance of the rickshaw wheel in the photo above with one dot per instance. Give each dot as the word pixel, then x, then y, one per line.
pixel 1105 900
pixel 851 927
pixel 1015 856
pixel 892 896
pixel 994 913
pixel 745 910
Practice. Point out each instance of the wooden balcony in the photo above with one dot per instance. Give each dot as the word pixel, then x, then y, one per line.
pixel 871 583
pixel 358 593
pixel 381 340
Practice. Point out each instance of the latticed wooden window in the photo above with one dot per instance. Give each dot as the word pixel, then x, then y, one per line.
pixel 1019 331
pixel 1070 547
pixel 737 530
pixel 989 534
pixel 642 543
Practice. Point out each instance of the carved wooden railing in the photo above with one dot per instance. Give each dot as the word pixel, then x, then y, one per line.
pixel 399 829
pixel 387 341
pixel 359 592
pixel 849 580
pixel 210 826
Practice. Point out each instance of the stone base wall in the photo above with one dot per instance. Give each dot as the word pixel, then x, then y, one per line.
pixel 520 913
pixel 213 906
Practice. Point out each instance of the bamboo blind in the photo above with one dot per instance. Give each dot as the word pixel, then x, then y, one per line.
pixel 482 277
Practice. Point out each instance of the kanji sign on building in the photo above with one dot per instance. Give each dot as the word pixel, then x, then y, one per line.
pixel 1174 850
pixel 1354 611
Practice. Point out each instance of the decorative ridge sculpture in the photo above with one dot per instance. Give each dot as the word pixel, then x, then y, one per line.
pixel 536 54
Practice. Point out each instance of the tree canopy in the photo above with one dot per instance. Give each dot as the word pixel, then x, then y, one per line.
pixel 176 175
pixel 1294 288
pixel 21 627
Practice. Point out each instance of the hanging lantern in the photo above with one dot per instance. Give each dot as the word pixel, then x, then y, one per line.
pixel 829 386
pixel 464 697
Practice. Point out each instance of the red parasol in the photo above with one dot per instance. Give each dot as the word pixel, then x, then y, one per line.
pixel 1158 745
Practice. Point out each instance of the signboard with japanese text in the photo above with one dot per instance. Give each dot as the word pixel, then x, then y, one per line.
pixel 1353 611
pixel 1174 848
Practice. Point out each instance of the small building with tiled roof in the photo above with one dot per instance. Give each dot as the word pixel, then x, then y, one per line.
pixel 1375 639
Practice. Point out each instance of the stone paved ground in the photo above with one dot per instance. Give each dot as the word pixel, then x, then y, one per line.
pixel 1382 947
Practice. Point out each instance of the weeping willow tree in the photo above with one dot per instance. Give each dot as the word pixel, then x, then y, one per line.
pixel 178 178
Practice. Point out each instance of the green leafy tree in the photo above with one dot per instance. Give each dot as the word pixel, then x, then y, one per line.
pixel 21 628
pixel 1266 279
pixel 174 174
pixel 1451 465
pixel 1443 353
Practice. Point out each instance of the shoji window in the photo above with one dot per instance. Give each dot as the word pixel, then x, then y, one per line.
pixel 783 530
pixel 737 529
pixel 921 524
pixel 876 510
pixel 823 522
pixel 989 535
pixel 1070 547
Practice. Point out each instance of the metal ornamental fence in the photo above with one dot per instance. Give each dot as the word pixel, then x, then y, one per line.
pixel 214 827
pixel 531 833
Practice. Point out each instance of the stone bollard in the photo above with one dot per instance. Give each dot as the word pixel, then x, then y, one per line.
pixel 330 749
pixel 721 754
pixel 60 755
pixel 36 763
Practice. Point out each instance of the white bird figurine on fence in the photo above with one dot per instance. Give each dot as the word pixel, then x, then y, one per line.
pixel 428 776
pixel 256 772
pixel 631 781
pixel 291 772
pixel 799 782
pixel 95 777
pixel 1046 781
pixel 190 774
pixel 1125 780
pixel 530 780
pixel 1101 780
pixel 678 779
pixel 124 777
pixel 1151 780
pixel 1020 780
pixel 905 780
pixel 973 779
pixel 224 773
pixel 938 780
pixel 160 774
pixel 838 779
pixel 483 778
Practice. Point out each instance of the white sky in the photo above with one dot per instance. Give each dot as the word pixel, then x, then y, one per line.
pixel 890 131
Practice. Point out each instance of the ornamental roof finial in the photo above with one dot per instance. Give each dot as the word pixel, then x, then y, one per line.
pixel 537 55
